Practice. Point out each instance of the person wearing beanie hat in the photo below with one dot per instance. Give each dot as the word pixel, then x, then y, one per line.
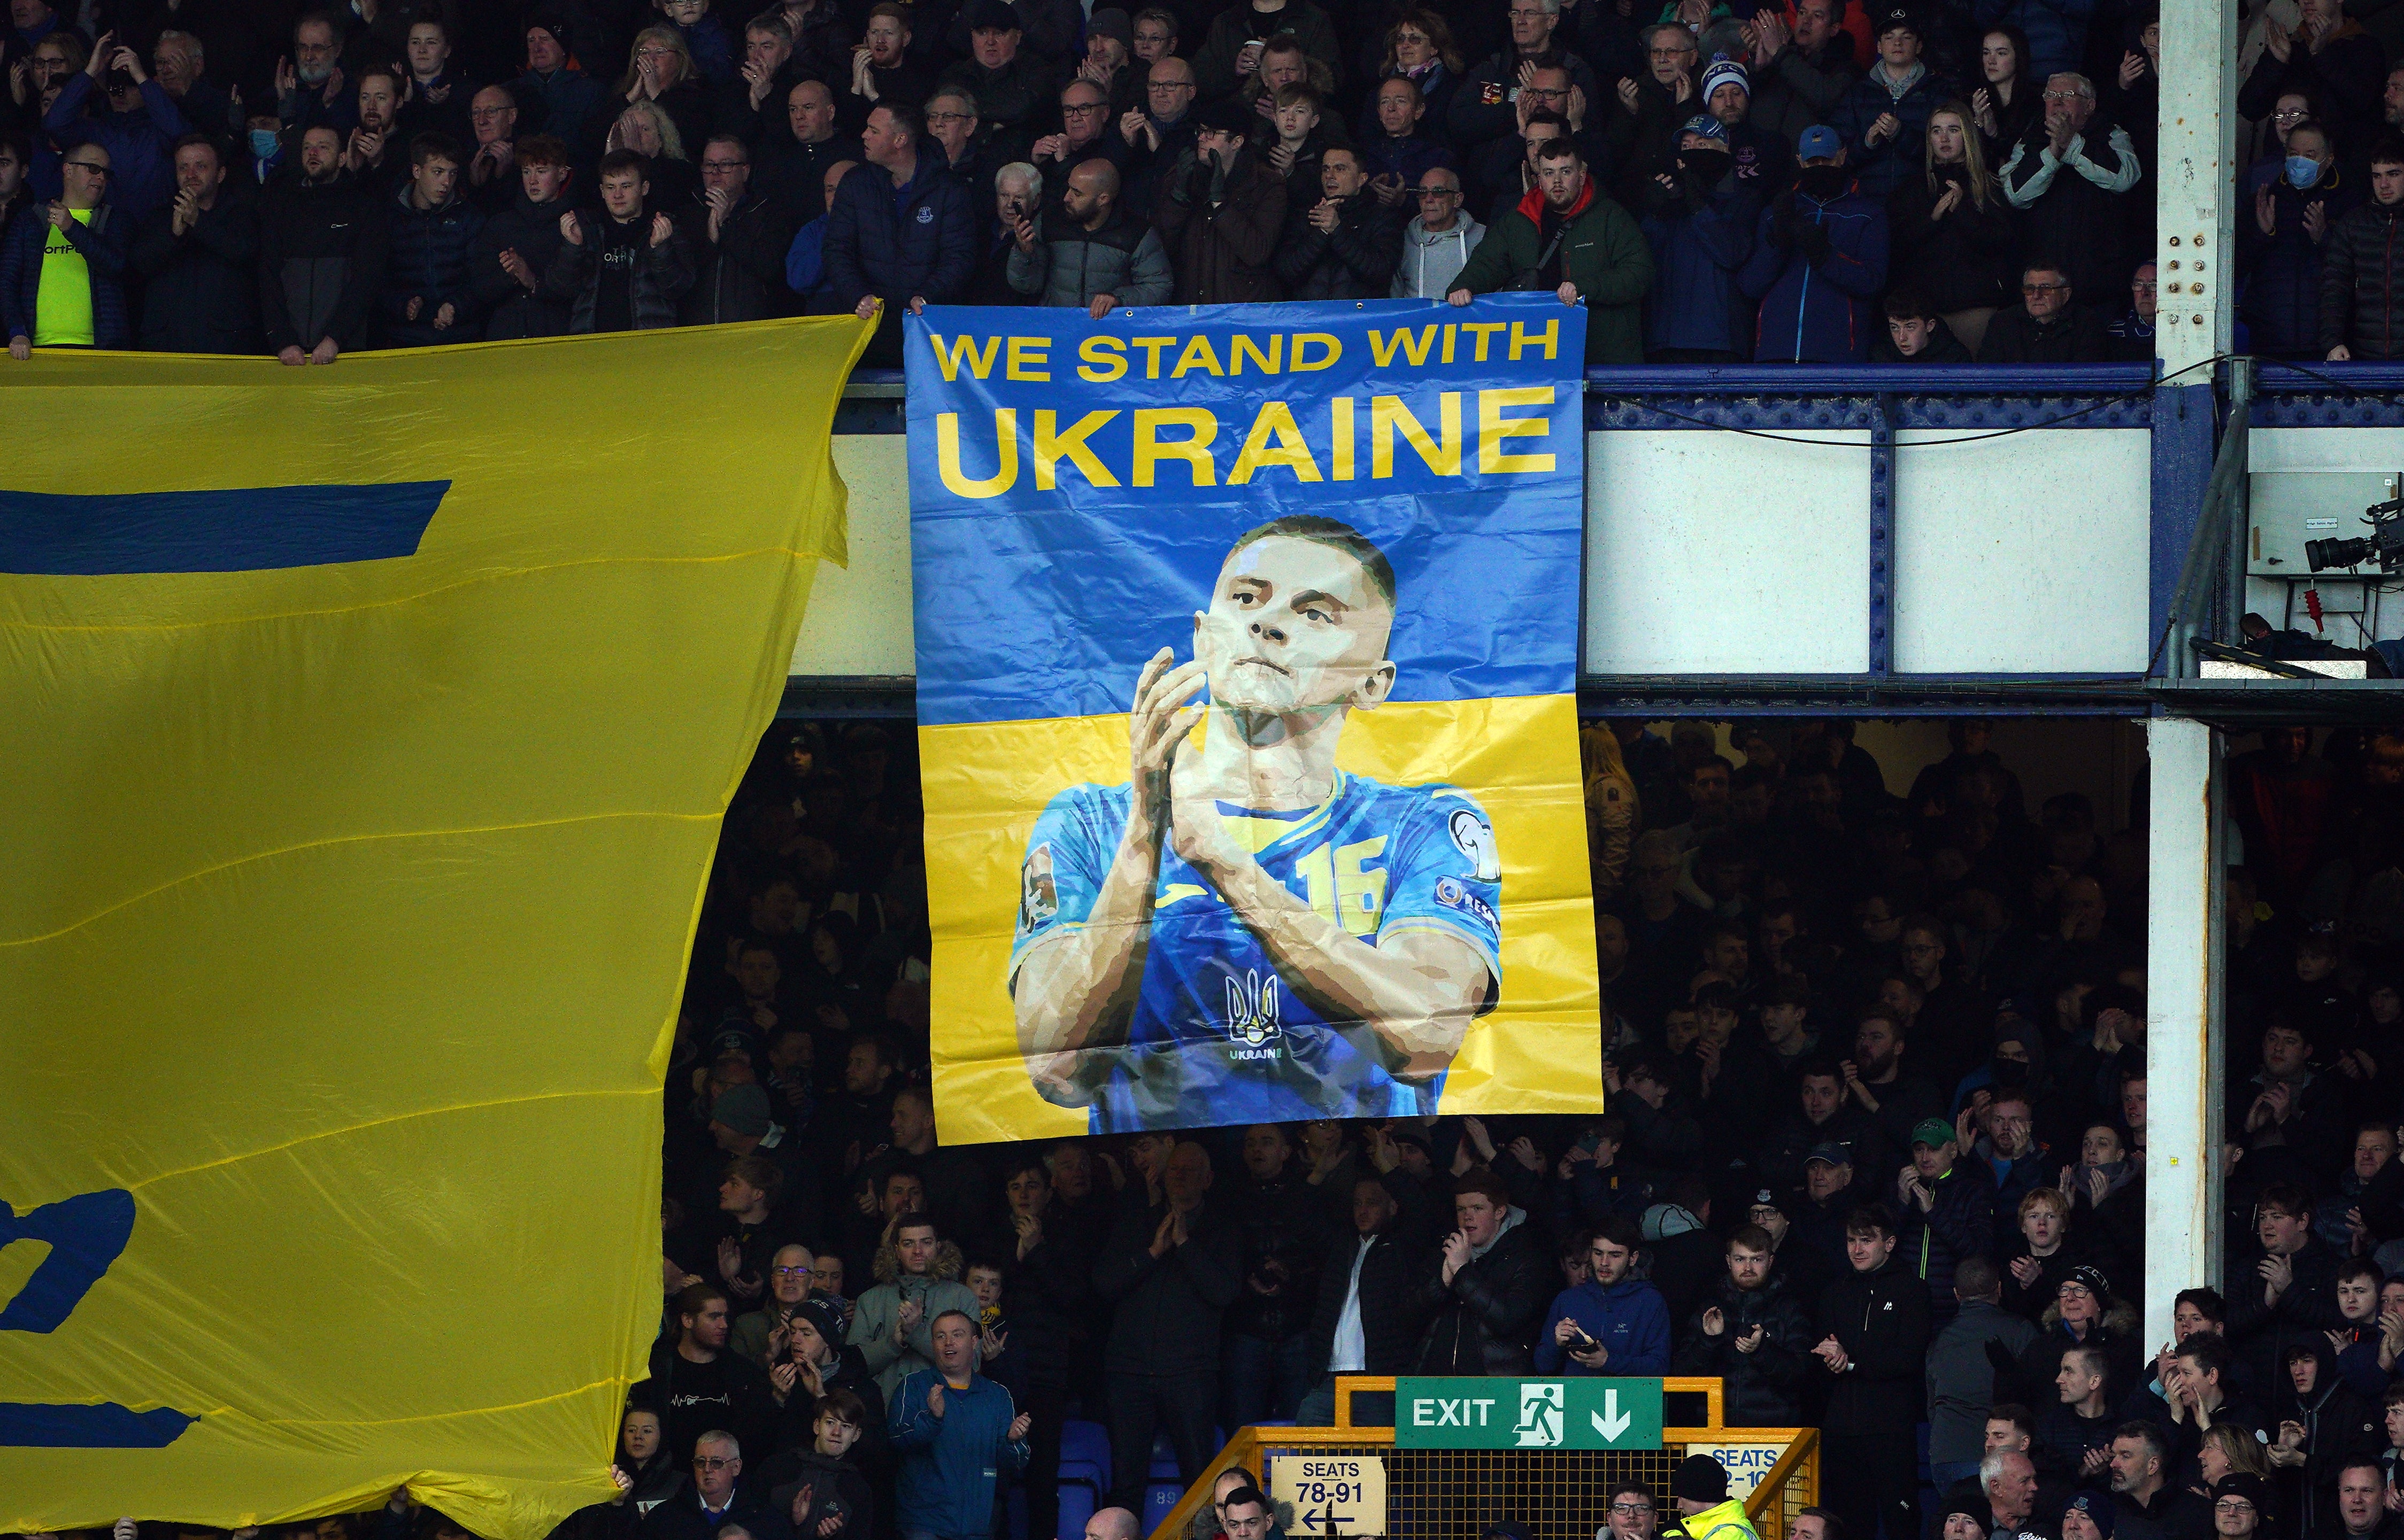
pixel 1724 70
pixel 2241 1505
pixel 739 1119
pixel 1700 1487
pixel 555 94
pixel 1884 118
pixel 2088 1515
pixel 1698 225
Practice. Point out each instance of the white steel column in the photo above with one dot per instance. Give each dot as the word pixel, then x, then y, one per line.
pixel 2185 1040
pixel 2193 207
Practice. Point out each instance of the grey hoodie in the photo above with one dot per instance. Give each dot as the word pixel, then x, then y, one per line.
pixel 1432 259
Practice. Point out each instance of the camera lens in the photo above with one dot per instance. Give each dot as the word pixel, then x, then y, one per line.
pixel 2321 555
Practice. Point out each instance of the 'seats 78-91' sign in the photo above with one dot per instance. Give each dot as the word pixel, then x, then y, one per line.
pixel 1466 1413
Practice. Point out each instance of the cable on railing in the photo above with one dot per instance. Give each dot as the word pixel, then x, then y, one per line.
pixel 1934 443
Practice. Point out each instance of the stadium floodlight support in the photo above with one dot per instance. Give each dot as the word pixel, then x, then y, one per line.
pixel 2195 274
pixel 2187 1041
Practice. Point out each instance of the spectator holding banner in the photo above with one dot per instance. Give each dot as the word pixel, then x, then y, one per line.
pixel 1567 237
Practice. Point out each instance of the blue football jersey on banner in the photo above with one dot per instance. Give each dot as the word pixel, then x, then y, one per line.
pixel 1218 1036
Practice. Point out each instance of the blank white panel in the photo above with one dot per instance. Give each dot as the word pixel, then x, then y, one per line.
pixel 859 622
pixel 2025 554
pixel 1710 552
pixel 2325 448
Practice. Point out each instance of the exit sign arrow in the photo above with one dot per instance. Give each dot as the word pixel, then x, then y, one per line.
pixel 1611 1421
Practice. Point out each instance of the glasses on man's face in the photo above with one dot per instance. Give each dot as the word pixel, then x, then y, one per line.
pixel 1670 53
pixel 732 165
pixel 1441 195
pixel 89 168
pixel 1544 93
pixel 713 1462
pixel 481 113
pixel 2064 95
pixel 2288 116
pixel 1633 1510
pixel 785 1272
pixel 2042 288
pixel 937 119
pixel 2142 288
pixel 2234 1507
pixel 1083 109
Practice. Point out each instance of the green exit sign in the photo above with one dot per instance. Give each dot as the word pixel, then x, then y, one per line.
pixel 1590 1413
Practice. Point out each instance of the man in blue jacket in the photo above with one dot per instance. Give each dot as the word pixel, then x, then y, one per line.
pixel 1819 260
pixel 1612 1324
pixel 138 127
pixel 956 1432
pixel 902 231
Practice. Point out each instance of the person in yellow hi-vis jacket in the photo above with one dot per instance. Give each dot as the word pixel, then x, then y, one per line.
pixel 1705 1510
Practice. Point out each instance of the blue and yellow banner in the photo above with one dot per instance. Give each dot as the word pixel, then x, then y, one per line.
pixel 367 730
pixel 1247 654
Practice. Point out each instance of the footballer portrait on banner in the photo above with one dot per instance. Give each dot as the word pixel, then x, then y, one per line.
pixel 1241 930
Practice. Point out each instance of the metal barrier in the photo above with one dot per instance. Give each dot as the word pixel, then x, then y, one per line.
pixel 1451 1494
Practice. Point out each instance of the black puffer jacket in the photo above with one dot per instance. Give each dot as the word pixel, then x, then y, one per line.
pixel 2362 283
pixel 1481 1322
pixel 1764 1388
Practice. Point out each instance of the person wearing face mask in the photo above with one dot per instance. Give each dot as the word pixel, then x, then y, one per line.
pixel 2279 246
pixel 1820 254
pixel 1952 230
pixel 1698 219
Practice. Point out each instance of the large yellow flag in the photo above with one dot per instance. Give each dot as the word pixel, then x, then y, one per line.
pixel 365 733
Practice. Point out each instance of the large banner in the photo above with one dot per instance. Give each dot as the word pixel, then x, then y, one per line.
pixel 365 734
pixel 1246 642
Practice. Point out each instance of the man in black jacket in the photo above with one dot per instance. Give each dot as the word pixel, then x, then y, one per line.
pixel 1876 1341
pixel 199 258
pixel 1170 1271
pixel 738 239
pixel 792 156
pixel 1487 1287
pixel 2362 269
pixel 320 256
pixel 519 245
pixel 1363 1321
pixel 2045 326
pixel 1345 245
pixel 1754 1334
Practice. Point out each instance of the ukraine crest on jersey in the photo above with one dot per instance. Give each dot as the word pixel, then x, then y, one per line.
pixel 1218 1034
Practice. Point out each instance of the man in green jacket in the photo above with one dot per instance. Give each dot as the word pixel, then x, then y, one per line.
pixel 1567 237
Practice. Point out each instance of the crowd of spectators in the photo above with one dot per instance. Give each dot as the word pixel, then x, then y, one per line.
pixel 1919 181
pixel 1874 1156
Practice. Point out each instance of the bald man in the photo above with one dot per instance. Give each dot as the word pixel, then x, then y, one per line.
pixel 1090 253
pixel 1112 1524
pixel 1171 1270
